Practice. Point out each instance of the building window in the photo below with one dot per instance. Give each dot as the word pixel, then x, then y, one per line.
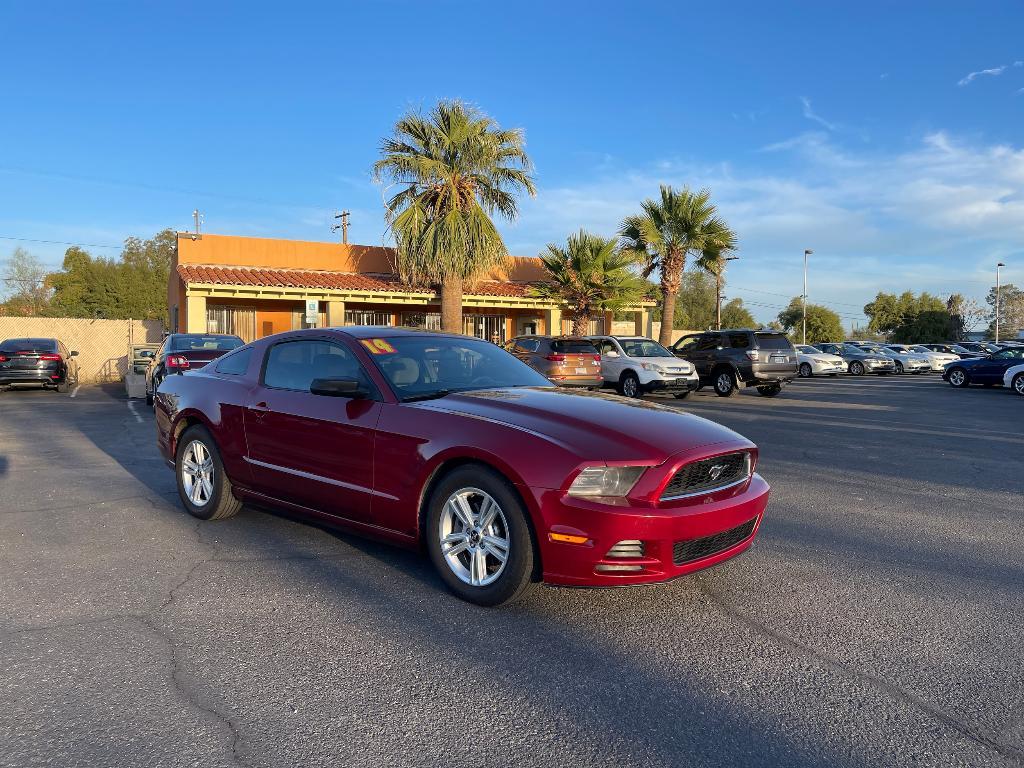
pixel 366 317
pixel 238 321
pixel 431 321
pixel 594 328
pixel 486 327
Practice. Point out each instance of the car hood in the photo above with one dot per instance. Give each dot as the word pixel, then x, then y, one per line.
pixel 666 362
pixel 823 357
pixel 591 425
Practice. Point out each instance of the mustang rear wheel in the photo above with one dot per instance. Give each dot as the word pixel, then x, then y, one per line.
pixel 203 485
pixel 478 537
pixel 958 378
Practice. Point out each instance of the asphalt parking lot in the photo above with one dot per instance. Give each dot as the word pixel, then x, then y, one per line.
pixel 877 621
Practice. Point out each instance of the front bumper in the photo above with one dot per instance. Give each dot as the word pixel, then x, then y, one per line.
pixel 828 368
pixel 661 529
pixel 681 384
pixel 874 367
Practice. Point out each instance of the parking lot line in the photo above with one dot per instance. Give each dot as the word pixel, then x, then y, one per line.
pixel 135 413
pixel 75 390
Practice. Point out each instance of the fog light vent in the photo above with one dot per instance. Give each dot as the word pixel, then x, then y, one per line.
pixel 627 548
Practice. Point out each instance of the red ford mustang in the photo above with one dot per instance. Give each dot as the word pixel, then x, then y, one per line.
pixel 452 444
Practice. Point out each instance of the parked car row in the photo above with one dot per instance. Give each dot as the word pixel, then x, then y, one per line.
pixel 38 361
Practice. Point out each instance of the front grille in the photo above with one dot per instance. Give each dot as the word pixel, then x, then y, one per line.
pixel 708 475
pixel 697 549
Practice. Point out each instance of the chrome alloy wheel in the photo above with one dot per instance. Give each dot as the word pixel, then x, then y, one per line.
pixel 474 536
pixel 957 378
pixel 629 386
pixel 1018 383
pixel 197 473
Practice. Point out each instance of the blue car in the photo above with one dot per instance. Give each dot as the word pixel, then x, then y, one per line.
pixel 987 371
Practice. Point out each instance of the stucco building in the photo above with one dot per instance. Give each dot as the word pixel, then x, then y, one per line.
pixel 253 287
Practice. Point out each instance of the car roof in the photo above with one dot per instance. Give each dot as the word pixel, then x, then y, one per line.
pixel 383 331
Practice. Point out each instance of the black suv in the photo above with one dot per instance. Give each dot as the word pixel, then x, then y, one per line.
pixel 740 358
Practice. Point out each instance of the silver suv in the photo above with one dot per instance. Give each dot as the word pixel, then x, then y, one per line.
pixel 635 365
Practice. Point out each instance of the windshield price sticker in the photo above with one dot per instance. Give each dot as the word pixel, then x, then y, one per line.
pixel 378 347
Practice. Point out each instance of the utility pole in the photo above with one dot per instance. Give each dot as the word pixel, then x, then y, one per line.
pixel 197 217
pixel 343 226
pixel 998 266
pixel 807 252
pixel 718 289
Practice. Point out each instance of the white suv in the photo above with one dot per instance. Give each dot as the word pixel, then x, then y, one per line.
pixel 635 365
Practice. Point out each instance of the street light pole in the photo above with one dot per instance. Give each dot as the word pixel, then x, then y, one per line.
pixel 718 289
pixel 807 252
pixel 1000 264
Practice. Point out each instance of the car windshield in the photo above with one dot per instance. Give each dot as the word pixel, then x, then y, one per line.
pixel 1014 353
pixel 808 350
pixel 573 347
pixel 920 349
pixel 643 348
pixel 28 345
pixel 424 367
pixel 958 348
pixel 198 342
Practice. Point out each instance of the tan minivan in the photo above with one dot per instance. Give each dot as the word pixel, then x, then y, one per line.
pixel 569 361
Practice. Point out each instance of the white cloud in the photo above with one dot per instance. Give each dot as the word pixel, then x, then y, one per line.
pixel 933 217
pixel 810 114
pixel 993 72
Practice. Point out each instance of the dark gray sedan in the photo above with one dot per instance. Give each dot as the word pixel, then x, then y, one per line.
pixel 860 361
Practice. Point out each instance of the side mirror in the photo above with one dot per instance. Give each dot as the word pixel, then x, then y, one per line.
pixel 346 387
pixel 74 353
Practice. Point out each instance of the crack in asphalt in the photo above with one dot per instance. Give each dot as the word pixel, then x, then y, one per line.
pixel 878 683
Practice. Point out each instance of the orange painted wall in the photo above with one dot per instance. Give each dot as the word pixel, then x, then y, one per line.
pixel 229 250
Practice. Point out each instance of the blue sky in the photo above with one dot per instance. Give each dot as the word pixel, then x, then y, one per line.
pixel 855 129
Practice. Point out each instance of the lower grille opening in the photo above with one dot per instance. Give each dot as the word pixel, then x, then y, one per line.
pixel 627 548
pixel 697 549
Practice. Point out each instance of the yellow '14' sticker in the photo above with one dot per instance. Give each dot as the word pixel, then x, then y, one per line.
pixel 378 346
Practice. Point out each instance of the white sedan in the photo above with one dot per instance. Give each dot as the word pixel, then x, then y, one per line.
pixel 1014 379
pixel 938 360
pixel 814 362
pixel 908 361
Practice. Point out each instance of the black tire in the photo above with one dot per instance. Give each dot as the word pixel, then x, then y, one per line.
pixel 629 385
pixel 682 395
pixel 899 367
pixel 1017 384
pixel 221 502
pixel 959 378
pixel 856 368
pixel 769 390
pixel 725 383
pixel 517 575
pixel 806 371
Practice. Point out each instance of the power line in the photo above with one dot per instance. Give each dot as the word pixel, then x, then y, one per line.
pixel 57 242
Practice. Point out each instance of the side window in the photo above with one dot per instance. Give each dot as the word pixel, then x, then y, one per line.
pixel 294 364
pixel 708 342
pixel 687 344
pixel 527 345
pixel 739 341
pixel 607 346
pixel 237 363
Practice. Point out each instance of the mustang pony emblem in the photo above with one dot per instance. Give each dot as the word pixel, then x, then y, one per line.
pixel 716 471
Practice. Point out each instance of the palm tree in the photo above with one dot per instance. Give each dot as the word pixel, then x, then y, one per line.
pixel 712 259
pixel 457 168
pixel 666 232
pixel 590 275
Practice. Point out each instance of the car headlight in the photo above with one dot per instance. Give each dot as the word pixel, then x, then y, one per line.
pixel 651 367
pixel 605 481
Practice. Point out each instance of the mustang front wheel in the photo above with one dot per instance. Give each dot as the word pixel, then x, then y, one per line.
pixel 478 537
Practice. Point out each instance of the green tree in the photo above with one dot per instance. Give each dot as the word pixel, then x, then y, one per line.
pixel 1011 311
pixel 822 323
pixel 23 286
pixel 457 168
pixel 735 315
pixel 590 275
pixel 964 316
pixel 131 286
pixel 925 328
pixel 669 229
pixel 889 311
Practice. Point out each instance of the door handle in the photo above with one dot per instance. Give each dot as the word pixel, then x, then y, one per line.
pixel 259 410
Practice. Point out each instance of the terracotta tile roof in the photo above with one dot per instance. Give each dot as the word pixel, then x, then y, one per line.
pixel 345 281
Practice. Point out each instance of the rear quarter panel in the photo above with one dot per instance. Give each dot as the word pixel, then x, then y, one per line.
pixel 217 402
